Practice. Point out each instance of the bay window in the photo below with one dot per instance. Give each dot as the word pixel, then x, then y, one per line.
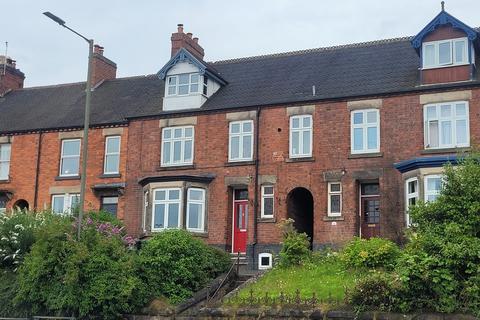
pixel 447 125
pixel 166 208
pixel 65 203
pixel 411 194
pixel 195 209
pixel 433 185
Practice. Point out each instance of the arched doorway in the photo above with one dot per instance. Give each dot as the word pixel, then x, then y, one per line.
pixel 300 209
pixel 21 205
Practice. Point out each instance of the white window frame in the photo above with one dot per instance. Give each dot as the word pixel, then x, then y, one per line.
pixel 199 202
pixel 70 156
pixel 364 126
pixel 268 196
pixel 199 84
pixel 265 255
pixel 182 140
pixel 330 193
pixel 427 192
pixel 452 61
pixel 67 202
pixel 6 161
pixel 107 154
pixel 408 196
pixel 301 130
pixel 453 120
pixel 167 203
pixel 241 136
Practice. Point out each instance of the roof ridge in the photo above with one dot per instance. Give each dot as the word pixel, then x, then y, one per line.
pixel 312 50
pixel 52 85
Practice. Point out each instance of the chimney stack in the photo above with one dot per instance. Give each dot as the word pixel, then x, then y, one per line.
pixel 103 68
pixel 11 78
pixel 187 41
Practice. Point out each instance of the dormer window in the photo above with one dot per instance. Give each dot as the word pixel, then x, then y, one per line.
pixel 183 84
pixel 445 53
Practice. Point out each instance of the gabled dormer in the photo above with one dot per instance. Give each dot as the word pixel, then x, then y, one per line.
pixel 446 47
pixel 189 81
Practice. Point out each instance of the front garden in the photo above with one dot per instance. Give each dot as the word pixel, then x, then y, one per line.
pixel 438 270
pixel 45 270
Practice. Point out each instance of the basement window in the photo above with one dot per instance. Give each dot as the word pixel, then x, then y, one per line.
pixel 265 261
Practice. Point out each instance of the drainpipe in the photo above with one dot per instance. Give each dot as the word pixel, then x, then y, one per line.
pixel 37 171
pixel 257 160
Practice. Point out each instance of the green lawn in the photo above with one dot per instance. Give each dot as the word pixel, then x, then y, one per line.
pixel 327 278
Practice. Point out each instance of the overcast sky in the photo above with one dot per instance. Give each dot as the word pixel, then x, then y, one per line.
pixel 136 34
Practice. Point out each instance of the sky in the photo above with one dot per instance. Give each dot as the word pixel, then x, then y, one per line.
pixel 136 34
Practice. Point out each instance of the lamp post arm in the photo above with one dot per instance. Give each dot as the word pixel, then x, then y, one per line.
pixel 77 33
pixel 86 124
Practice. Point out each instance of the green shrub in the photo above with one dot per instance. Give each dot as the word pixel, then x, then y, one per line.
pixel 372 253
pixel 96 276
pixel 8 290
pixel 376 291
pixel 295 246
pixel 175 264
pixel 440 268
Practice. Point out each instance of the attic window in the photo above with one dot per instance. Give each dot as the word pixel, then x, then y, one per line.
pixel 183 84
pixel 445 53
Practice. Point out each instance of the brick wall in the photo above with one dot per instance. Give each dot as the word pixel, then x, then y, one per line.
pixel 23 164
pixel 401 136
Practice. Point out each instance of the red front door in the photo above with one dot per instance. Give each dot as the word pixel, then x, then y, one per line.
pixel 240 221
pixel 370 217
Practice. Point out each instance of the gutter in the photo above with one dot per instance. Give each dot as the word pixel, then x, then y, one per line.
pixel 257 163
pixel 37 171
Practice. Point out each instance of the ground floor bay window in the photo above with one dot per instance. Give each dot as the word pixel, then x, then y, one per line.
pixel 175 204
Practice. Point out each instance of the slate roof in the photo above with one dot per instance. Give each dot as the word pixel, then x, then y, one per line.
pixel 365 69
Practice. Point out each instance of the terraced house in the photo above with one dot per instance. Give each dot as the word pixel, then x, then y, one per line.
pixel 340 139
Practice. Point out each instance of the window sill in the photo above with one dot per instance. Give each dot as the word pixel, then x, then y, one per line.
pixel 266 220
pixel 198 234
pixel 173 168
pixel 61 178
pixel 4 181
pixel 110 175
pixel 365 155
pixel 445 150
pixel 339 218
pixel 305 159
pixel 240 163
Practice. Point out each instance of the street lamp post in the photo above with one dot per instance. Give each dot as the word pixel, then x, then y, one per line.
pixel 86 123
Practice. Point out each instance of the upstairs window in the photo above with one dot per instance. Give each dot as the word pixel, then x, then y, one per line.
pixel 446 125
pixel 445 53
pixel 301 130
pixel 183 84
pixel 365 131
pixel 166 208
pixel 65 203
pixel 433 185
pixel 4 161
pixel 177 146
pixel 240 141
pixel 112 155
pixel 70 157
